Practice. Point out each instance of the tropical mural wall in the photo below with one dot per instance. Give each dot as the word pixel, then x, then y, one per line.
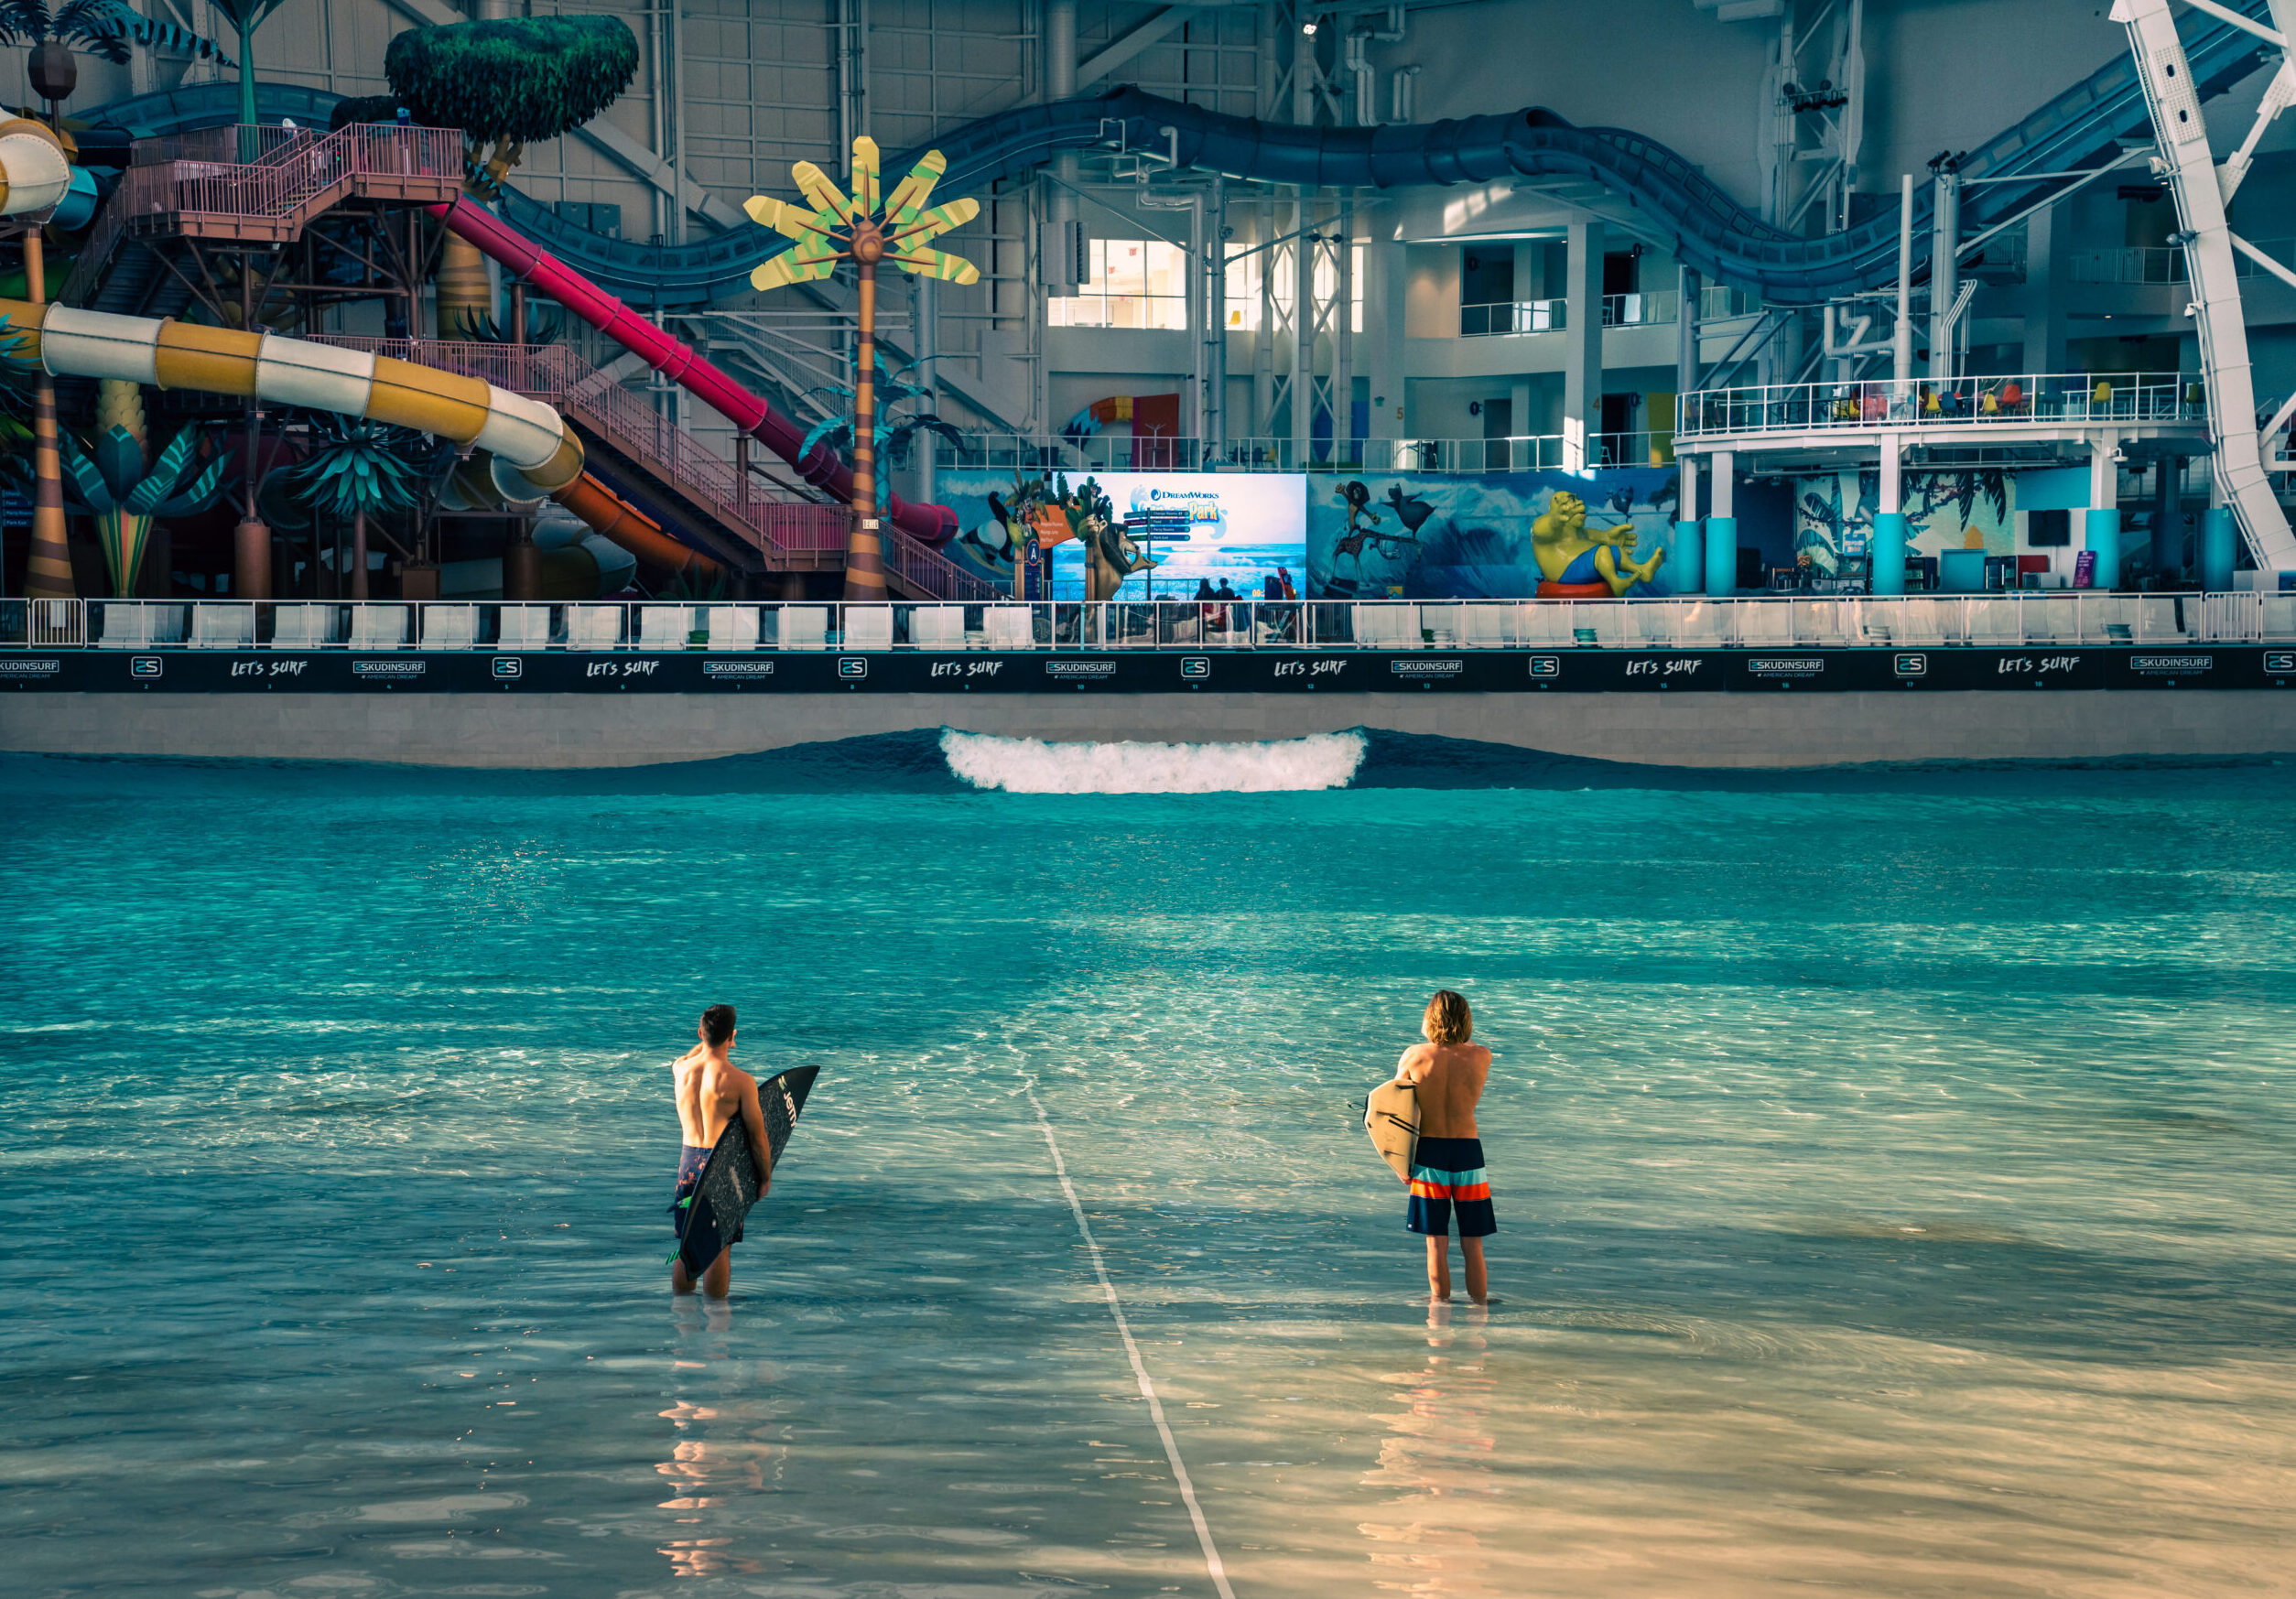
pixel 1944 511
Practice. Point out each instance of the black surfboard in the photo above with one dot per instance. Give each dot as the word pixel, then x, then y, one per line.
pixel 728 1187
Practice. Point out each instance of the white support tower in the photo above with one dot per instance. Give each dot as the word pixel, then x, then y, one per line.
pixel 2188 166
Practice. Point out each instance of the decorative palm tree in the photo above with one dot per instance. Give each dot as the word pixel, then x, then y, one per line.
pixel 110 478
pixel 246 15
pixel 506 84
pixel 357 469
pixel 104 28
pixel 841 228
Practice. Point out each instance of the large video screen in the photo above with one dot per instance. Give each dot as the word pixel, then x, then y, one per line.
pixel 1198 527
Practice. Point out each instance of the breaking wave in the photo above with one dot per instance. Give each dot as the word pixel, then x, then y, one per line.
pixel 1035 766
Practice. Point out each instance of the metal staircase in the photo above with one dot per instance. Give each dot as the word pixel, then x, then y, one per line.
pixel 242 186
pixel 690 489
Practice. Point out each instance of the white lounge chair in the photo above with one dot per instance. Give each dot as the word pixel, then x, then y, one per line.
pixel 1485 625
pixel 450 627
pixel 1008 627
pixel 937 627
pixel 304 626
pixel 1392 626
pixel 868 627
pixel 664 627
pixel 733 627
pixel 132 624
pixel 594 627
pixel 378 627
pixel 804 627
pixel 523 627
pixel 223 626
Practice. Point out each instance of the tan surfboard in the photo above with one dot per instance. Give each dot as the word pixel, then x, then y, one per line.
pixel 1391 1117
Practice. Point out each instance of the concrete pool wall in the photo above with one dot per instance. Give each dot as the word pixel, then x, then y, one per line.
pixel 577 730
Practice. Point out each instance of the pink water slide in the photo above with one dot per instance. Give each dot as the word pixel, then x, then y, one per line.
pixel 682 363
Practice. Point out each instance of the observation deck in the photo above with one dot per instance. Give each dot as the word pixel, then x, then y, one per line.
pixel 1969 420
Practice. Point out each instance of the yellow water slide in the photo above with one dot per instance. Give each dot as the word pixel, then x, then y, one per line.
pixel 535 453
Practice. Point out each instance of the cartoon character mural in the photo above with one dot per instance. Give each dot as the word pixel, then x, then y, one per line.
pixel 1363 523
pixel 1089 517
pixel 1495 535
pixel 1054 514
pixel 1574 558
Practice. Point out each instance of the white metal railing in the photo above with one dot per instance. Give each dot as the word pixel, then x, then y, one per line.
pixel 1031 454
pixel 1503 317
pixel 2160 265
pixel 2069 399
pixel 373 627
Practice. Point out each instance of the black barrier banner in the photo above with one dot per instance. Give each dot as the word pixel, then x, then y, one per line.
pixel 1413 673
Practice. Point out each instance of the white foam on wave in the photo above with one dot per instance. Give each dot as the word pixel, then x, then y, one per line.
pixel 1037 766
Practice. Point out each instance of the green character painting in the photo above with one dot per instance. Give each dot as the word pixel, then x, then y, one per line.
pixel 1569 553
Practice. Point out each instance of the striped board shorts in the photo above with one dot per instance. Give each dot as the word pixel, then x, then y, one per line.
pixel 1446 1175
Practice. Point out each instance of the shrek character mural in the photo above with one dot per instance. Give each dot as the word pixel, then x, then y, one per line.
pixel 1569 553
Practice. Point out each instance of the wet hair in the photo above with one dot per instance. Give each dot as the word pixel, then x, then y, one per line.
pixel 717 1024
pixel 1448 1019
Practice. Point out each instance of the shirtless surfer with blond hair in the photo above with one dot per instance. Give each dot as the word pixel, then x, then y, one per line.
pixel 711 1091
pixel 1447 1073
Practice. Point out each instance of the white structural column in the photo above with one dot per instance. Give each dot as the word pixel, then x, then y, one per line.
pixel 927 344
pixel 1582 343
pixel 2189 167
pixel 1384 309
pixel 1062 242
pixel 1302 385
pixel 1944 271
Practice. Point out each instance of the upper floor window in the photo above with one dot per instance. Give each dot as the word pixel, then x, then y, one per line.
pixel 1134 283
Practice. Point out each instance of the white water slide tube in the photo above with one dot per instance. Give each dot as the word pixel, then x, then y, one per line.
pixel 34 174
pixel 536 455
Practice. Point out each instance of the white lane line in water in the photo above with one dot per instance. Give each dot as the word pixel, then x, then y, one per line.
pixel 1140 1368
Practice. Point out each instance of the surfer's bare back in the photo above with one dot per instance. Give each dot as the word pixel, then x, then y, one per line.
pixel 1448 1072
pixel 711 1091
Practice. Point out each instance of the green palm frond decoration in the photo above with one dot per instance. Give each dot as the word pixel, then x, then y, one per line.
pixel 841 226
pixel 105 29
pixel 358 468
pixel 108 478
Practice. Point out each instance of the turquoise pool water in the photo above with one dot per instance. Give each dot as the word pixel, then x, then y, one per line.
pixel 1893 1174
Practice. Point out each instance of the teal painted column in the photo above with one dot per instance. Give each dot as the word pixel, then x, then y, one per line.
pixel 1889 552
pixel 1721 555
pixel 1688 559
pixel 2101 533
pixel 2220 547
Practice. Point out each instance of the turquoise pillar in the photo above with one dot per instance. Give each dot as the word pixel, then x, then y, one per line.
pixel 2220 547
pixel 1721 555
pixel 2101 533
pixel 1889 552
pixel 1688 561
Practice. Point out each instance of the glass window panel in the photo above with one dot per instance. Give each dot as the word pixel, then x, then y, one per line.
pixel 1127 266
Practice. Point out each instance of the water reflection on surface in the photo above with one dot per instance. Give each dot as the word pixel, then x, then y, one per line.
pixel 1436 1464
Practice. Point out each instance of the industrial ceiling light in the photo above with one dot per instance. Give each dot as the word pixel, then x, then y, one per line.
pixel 1308 28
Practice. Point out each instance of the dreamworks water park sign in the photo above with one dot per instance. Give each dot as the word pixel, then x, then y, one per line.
pixel 1213 527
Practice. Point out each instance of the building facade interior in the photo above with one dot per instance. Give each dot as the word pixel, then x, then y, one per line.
pixel 1845 296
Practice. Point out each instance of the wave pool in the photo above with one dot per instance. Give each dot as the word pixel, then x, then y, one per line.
pixel 1892 1169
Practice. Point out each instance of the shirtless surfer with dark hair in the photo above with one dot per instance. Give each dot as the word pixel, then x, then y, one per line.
pixel 711 1091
